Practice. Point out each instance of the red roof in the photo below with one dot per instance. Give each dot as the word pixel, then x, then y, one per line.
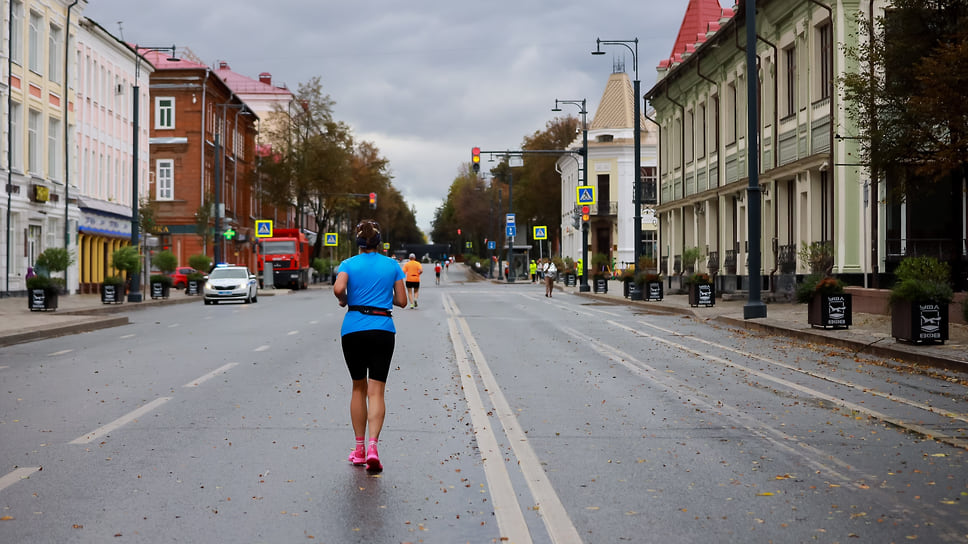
pixel 699 14
pixel 159 59
pixel 244 84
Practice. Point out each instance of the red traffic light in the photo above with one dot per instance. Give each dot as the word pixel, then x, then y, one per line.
pixel 372 201
pixel 585 211
pixel 458 232
pixel 476 158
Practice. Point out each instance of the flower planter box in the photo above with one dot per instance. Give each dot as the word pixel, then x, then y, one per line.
pixel 41 299
pixel 160 289
pixel 635 292
pixel 653 291
pixel 570 280
pixel 832 311
pixel 600 285
pixel 112 293
pixel 919 322
pixel 626 286
pixel 194 287
pixel 702 295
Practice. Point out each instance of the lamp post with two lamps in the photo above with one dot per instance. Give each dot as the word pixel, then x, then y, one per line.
pixel 637 143
pixel 134 293
pixel 219 174
pixel 584 179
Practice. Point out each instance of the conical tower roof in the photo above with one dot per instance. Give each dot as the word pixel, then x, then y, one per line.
pixel 617 106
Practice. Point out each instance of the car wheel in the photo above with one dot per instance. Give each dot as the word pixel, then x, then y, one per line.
pixel 255 297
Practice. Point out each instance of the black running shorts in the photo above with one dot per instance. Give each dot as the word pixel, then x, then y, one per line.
pixel 368 354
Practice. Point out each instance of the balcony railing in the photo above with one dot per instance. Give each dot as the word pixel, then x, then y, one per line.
pixel 729 263
pixel 943 249
pixel 604 208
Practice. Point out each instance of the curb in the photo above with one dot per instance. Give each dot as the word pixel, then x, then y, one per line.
pixel 62 330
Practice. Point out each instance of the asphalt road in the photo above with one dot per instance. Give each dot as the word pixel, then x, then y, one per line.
pixel 511 418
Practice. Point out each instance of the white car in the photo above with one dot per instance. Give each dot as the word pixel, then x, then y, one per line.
pixel 230 283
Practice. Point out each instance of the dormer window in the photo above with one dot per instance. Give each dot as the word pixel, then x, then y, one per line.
pixel 604 138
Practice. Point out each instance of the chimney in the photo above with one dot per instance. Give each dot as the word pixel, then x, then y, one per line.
pixel 265 77
pixel 222 65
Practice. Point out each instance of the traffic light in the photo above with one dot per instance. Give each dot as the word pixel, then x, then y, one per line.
pixel 458 232
pixel 585 211
pixel 476 158
pixel 372 201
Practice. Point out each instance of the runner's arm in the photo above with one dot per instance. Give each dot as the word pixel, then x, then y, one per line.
pixel 399 294
pixel 339 288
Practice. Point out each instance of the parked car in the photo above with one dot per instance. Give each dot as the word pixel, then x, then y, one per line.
pixel 228 282
pixel 179 278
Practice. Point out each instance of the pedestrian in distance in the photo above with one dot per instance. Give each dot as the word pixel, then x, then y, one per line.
pixel 368 285
pixel 413 269
pixel 550 272
pixel 437 271
pixel 533 269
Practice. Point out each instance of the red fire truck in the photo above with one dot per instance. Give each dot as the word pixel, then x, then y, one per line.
pixel 288 250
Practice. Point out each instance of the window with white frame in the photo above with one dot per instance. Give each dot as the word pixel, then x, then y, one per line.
pixel 53 148
pixel 17 136
pixel 701 130
pixel 34 132
pixel 36 43
pixel 825 47
pixel 17 33
pixel 731 104
pixel 164 179
pixel 789 81
pixel 715 115
pixel 164 112
pixel 55 65
pixel 689 135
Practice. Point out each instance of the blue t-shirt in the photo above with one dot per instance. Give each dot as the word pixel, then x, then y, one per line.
pixel 370 283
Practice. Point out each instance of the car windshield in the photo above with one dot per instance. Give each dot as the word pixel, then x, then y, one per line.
pixel 280 247
pixel 226 273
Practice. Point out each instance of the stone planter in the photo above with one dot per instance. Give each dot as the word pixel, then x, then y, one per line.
pixel 194 287
pixel 702 295
pixel 832 311
pixel 43 299
pixel 112 293
pixel 919 322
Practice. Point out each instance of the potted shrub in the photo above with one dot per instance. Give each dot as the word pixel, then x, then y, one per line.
pixel 650 285
pixel 197 279
pixel 637 288
pixel 600 273
pixel 568 272
pixel 41 293
pixel 55 259
pixel 828 304
pixel 160 284
pixel 127 259
pixel 112 290
pixel 626 277
pixel 919 300
pixel 701 290
pixel 690 256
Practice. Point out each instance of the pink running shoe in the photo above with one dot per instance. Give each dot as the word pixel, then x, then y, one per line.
pixel 358 457
pixel 373 459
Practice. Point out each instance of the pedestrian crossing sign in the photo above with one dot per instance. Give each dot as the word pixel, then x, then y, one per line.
pixel 585 195
pixel 330 239
pixel 541 233
pixel 263 228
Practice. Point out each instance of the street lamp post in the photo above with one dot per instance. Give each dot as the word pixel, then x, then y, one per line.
pixel 134 294
pixel 219 174
pixel 583 287
pixel 637 185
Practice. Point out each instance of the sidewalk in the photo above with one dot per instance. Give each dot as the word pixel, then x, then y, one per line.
pixel 869 333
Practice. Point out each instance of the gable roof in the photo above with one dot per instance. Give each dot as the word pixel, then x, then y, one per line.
pixel 699 13
pixel 617 106
pixel 241 84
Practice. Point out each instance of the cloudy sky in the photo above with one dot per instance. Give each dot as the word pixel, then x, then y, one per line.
pixel 424 80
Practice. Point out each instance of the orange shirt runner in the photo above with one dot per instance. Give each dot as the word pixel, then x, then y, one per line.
pixel 413 269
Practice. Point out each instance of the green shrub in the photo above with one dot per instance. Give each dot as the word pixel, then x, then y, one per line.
pixel 690 256
pixel 818 256
pixel 161 278
pixel 113 280
pixel 55 259
pixel 818 284
pixel 922 279
pixel 699 278
pixel 39 282
pixel 165 261
pixel 202 263
pixel 126 259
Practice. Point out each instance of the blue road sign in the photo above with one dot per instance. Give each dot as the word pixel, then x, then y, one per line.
pixel 491 244
pixel 330 239
pixel 263 228
pixel 585 194
pixel 540 233
pixel 510 220
pixel 512 231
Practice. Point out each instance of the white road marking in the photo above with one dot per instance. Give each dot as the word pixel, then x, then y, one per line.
pixel 210 375
pixel 2 367
pixel 122 337
pixel 314 322
pixel 507 510
pixel 263 347
pixel 173 325
pixel 291 333
pixel 128 418
pixel 11 478
pixel 61 352
pixel 549 506
pixel 936 435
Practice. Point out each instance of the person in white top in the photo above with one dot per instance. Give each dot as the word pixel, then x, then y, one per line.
pixel 550 272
